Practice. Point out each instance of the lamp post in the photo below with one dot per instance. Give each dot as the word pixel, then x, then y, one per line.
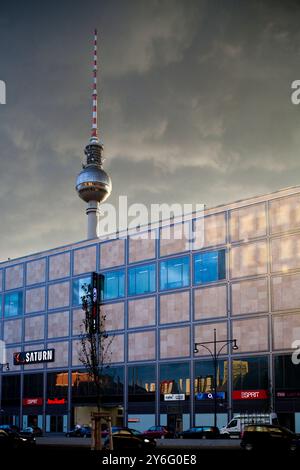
pixel 1 368
pixel 215 353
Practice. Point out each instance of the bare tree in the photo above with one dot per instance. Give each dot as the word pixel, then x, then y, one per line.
pixel 95 353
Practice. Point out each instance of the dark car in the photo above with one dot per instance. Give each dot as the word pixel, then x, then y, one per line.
pixel 10 439
pixel 33 431
pixel 266 436
pixel 126 438
pixel 159 432
pixel 201 432
pixel 105 432
pixel 83 431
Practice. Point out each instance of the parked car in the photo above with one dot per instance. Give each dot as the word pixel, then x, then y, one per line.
pixel 200 432
pixel 9 427
pixel 33 431
pixel 10 439
pixel 83 431
pixel 126 438
pixel 264 436
pixel 159 432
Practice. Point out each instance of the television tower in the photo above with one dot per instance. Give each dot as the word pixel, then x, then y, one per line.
pixel 93 184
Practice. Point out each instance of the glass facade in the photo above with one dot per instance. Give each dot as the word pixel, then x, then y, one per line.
pixel 175 273
pixel 142 279
pixel 114 285
pixel 78 289
pixel 13 304
pixel 141 383
pixel 287 374
pixel 83 387
pixel 57 385
pixel 250 373
pixel 11 392
pixel 204 376
pixel 174 378
pixel 209 267
pixel 33 386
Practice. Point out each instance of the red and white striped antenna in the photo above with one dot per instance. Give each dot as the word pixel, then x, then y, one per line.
pixel 94 133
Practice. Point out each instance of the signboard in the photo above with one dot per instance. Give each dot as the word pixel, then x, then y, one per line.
pixel 56 401
pixel 250 395
pixel 134 420
pixel 210 396
pixel 288 394
pixel 34 357
pixel 174 396
pixel 32 401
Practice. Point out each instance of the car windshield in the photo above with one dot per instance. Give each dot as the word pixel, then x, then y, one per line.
pixel 135 432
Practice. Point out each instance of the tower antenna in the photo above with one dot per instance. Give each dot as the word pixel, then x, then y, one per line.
pixel 93 184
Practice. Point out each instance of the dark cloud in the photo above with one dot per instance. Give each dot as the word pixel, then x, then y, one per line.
pixel 195 106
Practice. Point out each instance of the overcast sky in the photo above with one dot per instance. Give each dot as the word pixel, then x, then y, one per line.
pixel 195 106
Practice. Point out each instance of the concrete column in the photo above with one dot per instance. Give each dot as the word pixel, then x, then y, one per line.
pixel 92 212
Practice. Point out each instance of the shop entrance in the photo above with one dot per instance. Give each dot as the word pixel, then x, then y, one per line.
pixel 56 423
pixel 174 421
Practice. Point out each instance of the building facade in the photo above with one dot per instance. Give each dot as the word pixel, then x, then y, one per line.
pixel 161 295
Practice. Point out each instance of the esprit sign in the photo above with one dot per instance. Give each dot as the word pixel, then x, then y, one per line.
pixel 250 395
pixel 32 401
pixel 34 357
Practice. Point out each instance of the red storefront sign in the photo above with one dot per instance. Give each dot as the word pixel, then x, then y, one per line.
pixel 56 401
pixel 32 401
pixel 250 395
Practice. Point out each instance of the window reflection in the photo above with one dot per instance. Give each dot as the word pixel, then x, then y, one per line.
pixel 13 304
pixel 175 378
pixel 250 373
pixel 141 381
pixel 174 273
pixel 204 376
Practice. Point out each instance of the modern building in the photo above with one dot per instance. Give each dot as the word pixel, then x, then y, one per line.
pixel 161 296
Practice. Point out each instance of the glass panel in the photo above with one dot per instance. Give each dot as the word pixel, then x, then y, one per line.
pixel 33 386
pixel 141 279
pixel 13 304
pixel 287 374
pixel 175 378
pixel 11 389
pixel 0 305
pixel 112 380
pixel 174 273
pixel 57 385
pixel 250 373
pixel 209 266
pixel 114 285
pixel 141 382
pixel 78 291
pixel 204 376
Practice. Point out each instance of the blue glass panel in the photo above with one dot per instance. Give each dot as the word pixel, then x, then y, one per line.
pixel 0 305
pixel 174 273
pixel 77 289
pixel 209 267
pixel 13 304
pixel 114 284
pixel 141 279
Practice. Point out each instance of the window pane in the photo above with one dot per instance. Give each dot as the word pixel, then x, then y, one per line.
pixel 13 304
pixel 287 374
pixel 175 378
pixel 209 266
pixel 174 273
pixel 114 285
pixel 57 385
pixel 0 305
pixel 77 289
pixel 141 382
pixel 33 386
pixel 141 280
pixel 250 373
pixel 204 376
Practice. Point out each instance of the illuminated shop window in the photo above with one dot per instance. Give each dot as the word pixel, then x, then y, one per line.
pixel 13 304
pixel 209 267
pixel 78 289
pixel 114 285
pixel 141 279
pixel 175 273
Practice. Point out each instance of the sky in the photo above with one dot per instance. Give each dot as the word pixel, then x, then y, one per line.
pixel 195 106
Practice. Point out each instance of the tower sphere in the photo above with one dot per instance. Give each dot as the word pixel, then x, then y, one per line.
pixel 93 184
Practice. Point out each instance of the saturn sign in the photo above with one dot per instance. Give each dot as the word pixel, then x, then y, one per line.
pixel 33 357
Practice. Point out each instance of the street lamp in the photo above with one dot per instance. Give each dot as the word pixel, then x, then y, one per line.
pixel 215 356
